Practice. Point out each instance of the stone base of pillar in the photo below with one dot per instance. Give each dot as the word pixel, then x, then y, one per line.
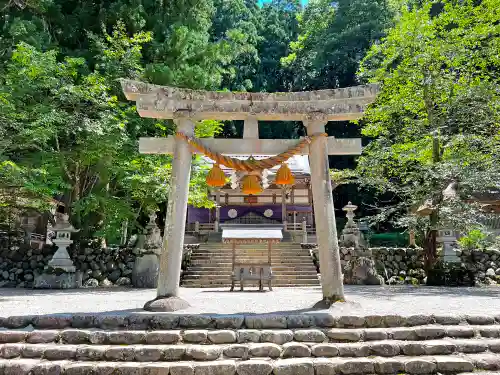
pixel 326 303
pixel 166 304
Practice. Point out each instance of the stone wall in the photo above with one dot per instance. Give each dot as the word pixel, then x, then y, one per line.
pixel 483 264
pixel 395 265
pixel 19 265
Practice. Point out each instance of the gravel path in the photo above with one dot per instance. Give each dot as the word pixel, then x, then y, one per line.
pixel 361 300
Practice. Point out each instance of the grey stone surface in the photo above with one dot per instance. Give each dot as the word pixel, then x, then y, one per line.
pixel 40 337
pixel 388 366
pixel 182 368
pixel 324 366
pixel 459 331
pixel 145 271
pixel 453 364
pixel 126 337
pixel 361 300
pixel 123 353
pixel 60 352
pixel 295 349
pixel 163 337
pixel 148 354
pixel 354 350
pixel 66 280
pixel 248 335
pixel 173 352
pixel 276 336
pixel 12 336
pixel 337 334
pixel 325 350
pixel 195 336
pixel 266 321
pixel 293 366
pixel 385 348
pixel 204 352
pixel 429 332
pixel 489 331
pixel 309 335
pixel 375 334
pixel 403 333
pixel 224 367
pixel 75 336
pixel 90 352
pixel 222 337
pixel 265 350
pixel 236 351
pixel 420 366
pixel 254 367
pixel 433 347
pixel 357 366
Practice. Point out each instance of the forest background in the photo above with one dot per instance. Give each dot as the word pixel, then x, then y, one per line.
pixel 66 131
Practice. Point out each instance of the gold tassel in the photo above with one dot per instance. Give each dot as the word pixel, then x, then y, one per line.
pixel 216 177
pixel 284 176
pixel 251 185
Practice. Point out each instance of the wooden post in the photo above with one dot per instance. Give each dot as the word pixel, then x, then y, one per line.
pixel 304 231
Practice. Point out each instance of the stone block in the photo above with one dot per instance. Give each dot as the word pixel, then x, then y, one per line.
pixel 204 352
pixel 173 352
pixel 429 332
pixel 403 333
pixel 323 366
pixel 222 337
pixel 419 366
pixel 293 366
pixel 12 336
pixel 459 331
pixel 82 368
pixel 195 335
pixel 165 321
pixel 126 337
pixel 480 319
pixel 433 347
pixel 388 366
pixel 65 280
pixel 224 367
pixel 494 346
pixel 413 348
pixel 32 351
pixel 447 319
pixel 357 366
pixel 453 364
pixel 52 321
pixel 48 368
pixel 486 361
pixel 145 271
pixel 374 321
pixel 60 352
pixel 83 321
pixel 343 335
pixel 182 368
pixel 419 320
pixel 354 350
pixel 309 335
pixel 160 368
pixel 75 336
pixel 295 349
pixel 254 367
pixel 394 321
pixel 385 349
pixel 265 350
pixel 111 321
pixel 146 353
pixel 229 322
pixel 276 336
pixel 123 353
pixel 118 368
pixel 375 334
pixel 248 335
pixel 98 337
pixel 487 331
pixel 237 351
pixel 299 321
pixel 325 350
pixel 8 351
pixel 196 321
pixel 347 321
pixel 90 352
pixel 139 321
pixel 324 320
pixel 471 346
pixel 163 337
pixel 266 321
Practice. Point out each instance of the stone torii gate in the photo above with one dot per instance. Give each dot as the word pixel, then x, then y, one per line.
pixel 185 107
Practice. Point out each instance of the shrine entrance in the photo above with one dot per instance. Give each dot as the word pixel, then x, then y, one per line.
pixel 315 109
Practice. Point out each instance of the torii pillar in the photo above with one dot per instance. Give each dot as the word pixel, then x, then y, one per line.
pixel 314 108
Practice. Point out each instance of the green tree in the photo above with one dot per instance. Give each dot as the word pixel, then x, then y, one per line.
pixel 436 122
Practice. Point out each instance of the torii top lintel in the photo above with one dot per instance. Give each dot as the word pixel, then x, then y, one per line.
pixel 170 103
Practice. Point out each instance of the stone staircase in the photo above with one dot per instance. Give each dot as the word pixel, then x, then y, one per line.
pixel 306 344
pixel 211 264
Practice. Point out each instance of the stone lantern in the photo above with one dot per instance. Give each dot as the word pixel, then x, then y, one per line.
pixel 63 230
pixel 60 272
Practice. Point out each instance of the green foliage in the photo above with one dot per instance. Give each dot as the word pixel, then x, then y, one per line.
pixel 436 121
pixel 475 239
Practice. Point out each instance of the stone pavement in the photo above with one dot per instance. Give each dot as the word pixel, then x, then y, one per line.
pixel 361 300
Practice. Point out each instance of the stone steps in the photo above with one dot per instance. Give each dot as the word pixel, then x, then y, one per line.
pixel 290 366
pixel 278 344
pixel 227 267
